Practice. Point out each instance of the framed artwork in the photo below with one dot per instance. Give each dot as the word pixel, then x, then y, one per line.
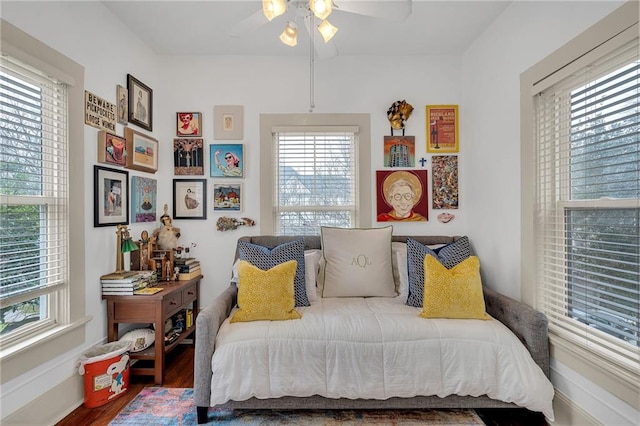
pixel 189 198
pixel 444 177
pixel 188 156
pixel 110 196
pixel 399 151
pixel 401 196
pixel 226 160
pixel 144 199
pixel 142 151
pixel 122 95
pixel 227 197
pixel 442 128
pixel 189 124
pixel 140 103
pixel 227 122
pixel 112 149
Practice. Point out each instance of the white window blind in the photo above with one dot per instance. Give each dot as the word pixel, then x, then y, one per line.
pixel 315 182
pixel 588 207
pixel 33 197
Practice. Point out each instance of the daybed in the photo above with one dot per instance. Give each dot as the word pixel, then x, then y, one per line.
pixel 250 377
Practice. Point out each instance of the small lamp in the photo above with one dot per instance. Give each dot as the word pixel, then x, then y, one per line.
pixel 273 8
pixel 327 30
pixel 321 8
pixel 290 34
pixel 123 245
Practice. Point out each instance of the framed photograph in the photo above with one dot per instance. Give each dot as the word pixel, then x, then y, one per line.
pixel 444 181
pixel 227 197
pixel 188 156
pixel 226 160
pixel 401 196
pixel 140 103
pixel 110 196
pixel 142 151
pixel 144 196
pixel 112 149
pixel 122 95
pixel 442 128
pixel 189 124
pixel 227 122
pixel 399 151
pixel 189 198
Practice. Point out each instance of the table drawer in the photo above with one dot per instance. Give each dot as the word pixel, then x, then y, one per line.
pixel 172 301
pixel 189 294
pixel 134 312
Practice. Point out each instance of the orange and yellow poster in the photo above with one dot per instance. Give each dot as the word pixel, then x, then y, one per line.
pixel 442 128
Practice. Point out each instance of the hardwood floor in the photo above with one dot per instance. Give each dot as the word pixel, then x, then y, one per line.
pixel 179 374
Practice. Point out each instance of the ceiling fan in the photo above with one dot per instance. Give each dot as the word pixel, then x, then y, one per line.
pixel 314 13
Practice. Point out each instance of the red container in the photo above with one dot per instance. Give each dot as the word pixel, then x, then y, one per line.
pixel 106 373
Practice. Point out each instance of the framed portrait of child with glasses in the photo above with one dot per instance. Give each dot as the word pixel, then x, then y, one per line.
pixel 402 196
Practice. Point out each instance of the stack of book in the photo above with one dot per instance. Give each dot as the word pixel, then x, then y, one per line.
pixel 124 285
pixel 189 268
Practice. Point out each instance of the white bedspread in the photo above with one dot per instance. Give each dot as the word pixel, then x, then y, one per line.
pixel 374 348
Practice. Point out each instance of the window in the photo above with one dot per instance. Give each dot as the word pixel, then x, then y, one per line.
pixel 33 203
pixel 315 183
pixel 314 171
pixel 587 139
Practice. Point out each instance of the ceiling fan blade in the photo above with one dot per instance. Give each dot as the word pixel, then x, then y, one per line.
pixel 388 9
pixel 324 50
pixel 248 24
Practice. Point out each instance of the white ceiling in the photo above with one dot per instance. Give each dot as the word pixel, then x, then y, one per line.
pixel 201 27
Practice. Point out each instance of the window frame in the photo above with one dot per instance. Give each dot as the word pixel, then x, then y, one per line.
pixel 614 30
pixel 271 122
pixel 69 332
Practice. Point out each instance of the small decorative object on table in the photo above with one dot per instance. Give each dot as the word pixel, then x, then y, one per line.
pixel 230 223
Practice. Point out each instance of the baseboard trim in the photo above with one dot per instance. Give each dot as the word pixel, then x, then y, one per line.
pixel 52 406
pixel 567 413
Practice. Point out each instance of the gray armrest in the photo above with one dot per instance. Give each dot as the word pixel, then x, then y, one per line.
pixel 208 322
pixel 529 325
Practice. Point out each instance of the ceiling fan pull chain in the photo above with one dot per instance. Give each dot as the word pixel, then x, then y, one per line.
pixel 312 104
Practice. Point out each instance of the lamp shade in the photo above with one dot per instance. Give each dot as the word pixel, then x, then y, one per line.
pixel 327 30
pixel 273 8
pixel 128 246
pixel 321 8
pixel 289 35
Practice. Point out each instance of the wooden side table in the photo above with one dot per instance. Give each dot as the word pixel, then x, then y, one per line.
pixel 156 309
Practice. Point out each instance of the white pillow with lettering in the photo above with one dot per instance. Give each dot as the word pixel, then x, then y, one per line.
pixel 357 262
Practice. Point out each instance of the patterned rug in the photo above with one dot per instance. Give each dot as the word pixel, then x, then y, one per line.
pixel 174 406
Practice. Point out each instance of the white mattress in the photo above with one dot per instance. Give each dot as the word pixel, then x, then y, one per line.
pixel 374 348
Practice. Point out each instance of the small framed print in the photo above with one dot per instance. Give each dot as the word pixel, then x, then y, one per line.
pixel 112 149
pixel 140 103
pixel 188 156
pixel 142 151
pixel 227 197
pixel 228 122
pixel 189 198
pixel 122 94
pixel 442 128
pixel 110 196
pixel 144 196
pixel 226 160
pixel 189 124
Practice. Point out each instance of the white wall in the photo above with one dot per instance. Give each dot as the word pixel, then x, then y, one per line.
pixel 484 83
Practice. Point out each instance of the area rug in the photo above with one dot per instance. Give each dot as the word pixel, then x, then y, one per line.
pixel 174 406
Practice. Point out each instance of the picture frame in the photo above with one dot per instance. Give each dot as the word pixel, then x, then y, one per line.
pixel 399 151
pixel 188 156
pixel 227 197
pixel 140 103
pixel 144 199
pixel 444 182
pixel 112 149
pixel 401 196
pixel 442 128
pixel 189 198
pixel 142 151
pixel 228 122
pixel 122 95
pixel 188 124
pixel 110 196
pixel 226 160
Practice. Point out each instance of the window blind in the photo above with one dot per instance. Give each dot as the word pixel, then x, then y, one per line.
pixel 33 187
pixel 315 183
pixel 588 206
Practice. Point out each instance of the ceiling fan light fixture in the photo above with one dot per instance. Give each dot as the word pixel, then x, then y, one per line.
pixel 273 8
pixel 289 35
pixel 327 30
pixel 321 8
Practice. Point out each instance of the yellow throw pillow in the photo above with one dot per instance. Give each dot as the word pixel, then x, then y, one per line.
pixel 455 292
pixel 266 295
